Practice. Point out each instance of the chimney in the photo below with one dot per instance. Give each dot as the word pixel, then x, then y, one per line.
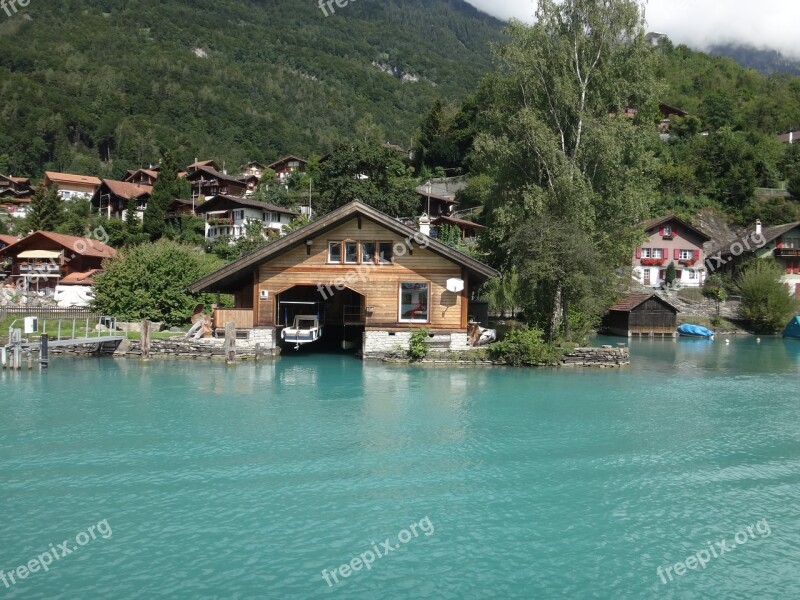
pixel 758 227
pixel 425 225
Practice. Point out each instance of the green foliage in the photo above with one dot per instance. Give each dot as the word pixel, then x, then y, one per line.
pixel 766 305
pixel 46 210
pixel 149 282
pixel 503 293
pixel 793 183
pixel 420 344
pixel 3 226
pixel 524 347
pixel 375 175
pixel 450 235
pixel 166 188
pixel 303 86
pixel 670 274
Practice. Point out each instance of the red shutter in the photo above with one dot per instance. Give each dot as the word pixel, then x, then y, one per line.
pixel 677 254
pixel 638 253
pixel 697 254
pixel 665 253
pixel 661 232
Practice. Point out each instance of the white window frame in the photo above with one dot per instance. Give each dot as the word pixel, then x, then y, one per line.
pixel 341 252
pixel 686 254
pixel 400 318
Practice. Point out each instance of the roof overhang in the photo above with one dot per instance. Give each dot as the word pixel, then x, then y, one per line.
pixel 229 277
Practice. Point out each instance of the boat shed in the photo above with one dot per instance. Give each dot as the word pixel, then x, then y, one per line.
pixel 642 315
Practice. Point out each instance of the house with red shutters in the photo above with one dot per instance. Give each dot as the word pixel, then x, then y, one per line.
pixel 670 240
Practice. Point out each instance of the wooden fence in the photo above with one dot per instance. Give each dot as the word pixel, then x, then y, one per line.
pixel 50 313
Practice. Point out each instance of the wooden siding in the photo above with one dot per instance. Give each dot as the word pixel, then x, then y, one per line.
pixel 379 284
pixel 243 318
pixel 651 317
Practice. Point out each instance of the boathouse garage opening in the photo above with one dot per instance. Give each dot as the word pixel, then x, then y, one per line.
pixel 341 315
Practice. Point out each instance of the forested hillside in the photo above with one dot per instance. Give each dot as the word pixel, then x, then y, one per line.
pixel 99 86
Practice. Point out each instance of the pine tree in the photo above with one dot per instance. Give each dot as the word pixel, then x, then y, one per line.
pixel 46 211
pixel 166 189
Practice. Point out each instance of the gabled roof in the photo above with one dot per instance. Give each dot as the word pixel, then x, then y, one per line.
pixel 70 178
pixel 150 173
pixel 227 202
pixel 215 174
pixel 125 189
pixel 211 164
pixel 286 159
pixel 240 269
pixel 76 278
pixel 634 301
pixel 75 245
pixel 252 163
pixel 770 234
pixel 8 239
pixel 659 221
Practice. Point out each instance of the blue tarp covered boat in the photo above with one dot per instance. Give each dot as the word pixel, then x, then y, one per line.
pixel 792 330
pixel 695 331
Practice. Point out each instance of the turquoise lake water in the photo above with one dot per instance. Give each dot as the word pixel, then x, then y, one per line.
pixel 248 482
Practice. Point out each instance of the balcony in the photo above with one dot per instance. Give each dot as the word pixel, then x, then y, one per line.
pixel 220 220
pixel 787 252
pixel 39 268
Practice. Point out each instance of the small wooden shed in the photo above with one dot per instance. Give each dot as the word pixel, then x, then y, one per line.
pixel 642 314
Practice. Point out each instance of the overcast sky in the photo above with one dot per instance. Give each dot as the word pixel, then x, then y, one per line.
pixel 698 23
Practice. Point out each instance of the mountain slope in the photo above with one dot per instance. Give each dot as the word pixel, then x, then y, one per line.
pixel 100 85
pixel 766 62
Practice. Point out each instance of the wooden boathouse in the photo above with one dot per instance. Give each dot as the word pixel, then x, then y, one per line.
pixel 642 315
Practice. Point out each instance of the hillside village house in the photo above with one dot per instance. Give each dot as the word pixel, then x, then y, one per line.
pixel 469 230
pixel 438 196
pixel 781 242
pixel 41 260
pixel 253 168
pixel 228 216
pixel 366 276
pixel 15 195
pixel 71 187
pixel 112 198
pixel 287 166
pixel 670 240
pixel 141 177
pixel 207 183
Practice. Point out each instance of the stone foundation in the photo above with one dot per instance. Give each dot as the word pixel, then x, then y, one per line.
pixel 607 356
pixel 378 344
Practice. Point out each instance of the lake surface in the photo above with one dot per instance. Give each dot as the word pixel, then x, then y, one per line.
pixel 248 482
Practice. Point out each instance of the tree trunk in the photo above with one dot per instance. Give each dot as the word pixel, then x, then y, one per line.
pixel 555 314
pixel 567 330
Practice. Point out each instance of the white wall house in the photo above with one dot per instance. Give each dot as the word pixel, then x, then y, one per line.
pixel 670 240
pixel 228 216
pixel 72 187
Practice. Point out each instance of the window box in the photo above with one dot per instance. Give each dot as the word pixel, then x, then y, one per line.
pixel 653 262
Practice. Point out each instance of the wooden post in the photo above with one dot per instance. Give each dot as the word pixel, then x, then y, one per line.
pixel 145 341
pixel 44 352
pixel 258 351
pixel 230 343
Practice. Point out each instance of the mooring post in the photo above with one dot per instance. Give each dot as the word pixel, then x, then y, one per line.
pixel 230 343
pixel 258 351
pixel 44 352
pixel 146 341
pixel 3 356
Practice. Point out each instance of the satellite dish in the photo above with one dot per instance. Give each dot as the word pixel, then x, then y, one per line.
pixel 455 285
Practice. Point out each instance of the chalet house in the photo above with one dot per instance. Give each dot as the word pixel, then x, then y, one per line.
pixel 667 114
pixel 469 230
pixel 670 240
pixel 228 216
pixel 438 196
pixel 251 181
pixel 367 277
pixel 207 164
pixel 781 242
pixel 253 168
pixel 15 195
pixel 141 177
pixel 178 208
pixel 7 240
pixel 72 187
pixel 112 198
pixel 287 166
pixel 41 260
pixel 207 183
pixel 642 314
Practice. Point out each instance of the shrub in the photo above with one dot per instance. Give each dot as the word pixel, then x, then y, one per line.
pixel 149 282
pixel 420 344
pixel 766 305
pixel 523 347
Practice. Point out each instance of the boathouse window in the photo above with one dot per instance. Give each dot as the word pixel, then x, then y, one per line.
pixel 385 253
pixel 367 252
pixel 414 301
pixel 334 252
pixel 351 253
